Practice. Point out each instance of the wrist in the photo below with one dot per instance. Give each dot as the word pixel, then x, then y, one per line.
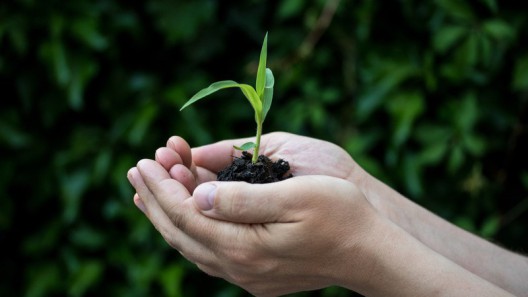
pixel 384 199
pixel 393 263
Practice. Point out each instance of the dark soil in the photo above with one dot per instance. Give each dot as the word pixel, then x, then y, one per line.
pixel 262 172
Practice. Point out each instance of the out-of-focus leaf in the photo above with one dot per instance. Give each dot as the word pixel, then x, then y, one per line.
pixel 404 109
pixel 44 280
pixel 81 72
pixel 181 21
pixel 474 144
pixel 37 243
pixel 86 30
pixel 385 78
pixel 87 275
pixel 434 141
pixel 465 112
pixel 520 74
pixel 54 54
pixel 468 51
pixel 411 170
pixel 102 165
pixel 458 9
pixel 486 50
pixel 14 31
pixel 290 8
pixel 12 137
pixel 490 227
pixel 86 237
pixel 524 179
pixel 466 223
pixel 447 37
pixel 433 153
pixel 499 29
pixel 171 280
pixel 142 123
pixel 73 186
pixel 492 5
pixel 456 157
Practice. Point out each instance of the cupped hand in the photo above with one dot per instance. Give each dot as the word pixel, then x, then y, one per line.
pixel 299 234
pixel 306 156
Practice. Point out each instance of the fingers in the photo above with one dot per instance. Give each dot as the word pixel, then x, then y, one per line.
pixel 160 184
pixel 149 204
pixel 139 203
pixel 262 203
pixel 216 156
pixel 146 200
pixel 177 158
pixel 180 221
pixel 183 175
pixel 182 148
pixel 167 157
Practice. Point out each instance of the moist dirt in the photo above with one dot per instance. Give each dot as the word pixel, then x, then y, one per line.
pixel 261 172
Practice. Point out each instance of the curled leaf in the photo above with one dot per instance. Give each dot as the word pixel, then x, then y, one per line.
pixel 267 97
pixel 246 146
pixel 261 71
pixel 247 90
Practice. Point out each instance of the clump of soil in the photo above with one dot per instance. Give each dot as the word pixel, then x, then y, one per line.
pixel 261 172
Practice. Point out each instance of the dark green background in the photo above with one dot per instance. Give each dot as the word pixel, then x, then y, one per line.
pixel 429 96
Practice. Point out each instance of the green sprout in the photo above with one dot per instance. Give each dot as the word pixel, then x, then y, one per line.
pixel 259 97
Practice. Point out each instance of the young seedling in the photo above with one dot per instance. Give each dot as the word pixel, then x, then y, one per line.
pixel 259 97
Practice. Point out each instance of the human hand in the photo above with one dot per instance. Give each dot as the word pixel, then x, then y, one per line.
pixel 299 234
pixel 307 156
pixel 261 244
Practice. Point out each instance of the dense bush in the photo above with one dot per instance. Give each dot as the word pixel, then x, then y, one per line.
pixel 429 96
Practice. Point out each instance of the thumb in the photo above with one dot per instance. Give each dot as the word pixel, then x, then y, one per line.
pixel 242 202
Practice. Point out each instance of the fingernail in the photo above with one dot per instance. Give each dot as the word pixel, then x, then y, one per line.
pixel 204 196
pixel 140 205
pixel 130 175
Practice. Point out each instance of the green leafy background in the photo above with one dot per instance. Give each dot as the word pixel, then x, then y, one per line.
pixel 429 96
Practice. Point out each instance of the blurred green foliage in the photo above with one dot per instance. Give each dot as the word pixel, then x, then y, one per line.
pixel 429 96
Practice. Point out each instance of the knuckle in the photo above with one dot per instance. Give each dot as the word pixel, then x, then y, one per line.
pixel 237 205
pixel 177 217
pixel 169 236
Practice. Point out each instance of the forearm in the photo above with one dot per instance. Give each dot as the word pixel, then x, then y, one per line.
pixel 491 262
pixel 397 264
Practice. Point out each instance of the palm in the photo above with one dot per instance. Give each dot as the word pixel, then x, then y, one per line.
pixel 307 156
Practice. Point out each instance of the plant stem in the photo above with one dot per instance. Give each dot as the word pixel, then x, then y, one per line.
pixel 257 143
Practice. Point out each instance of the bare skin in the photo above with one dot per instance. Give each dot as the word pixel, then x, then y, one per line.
pixel 330 225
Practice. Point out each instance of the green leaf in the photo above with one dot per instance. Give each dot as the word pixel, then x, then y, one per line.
pixel 499 29
pixel 247 90
pixel 492 5
pixel 448 36
pixel 491 226
pixel 88 274
pixel 405 108
pixel 171 280
pixel 267 97
pixel 520 74
pixel 458 9
pixel 209 90
pixel 246 146
pixel 261 72
pixel 254 99
pixel 290 8
pixel 468 51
